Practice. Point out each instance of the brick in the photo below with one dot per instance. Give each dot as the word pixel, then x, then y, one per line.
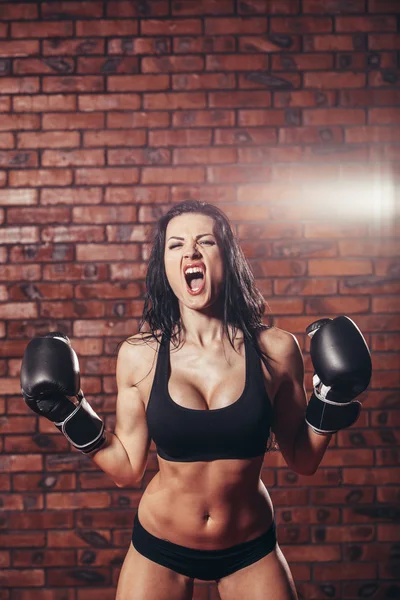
pixel 106 176
pixel 377 247
pixel 72 233
pixel 41 253
pixel 270 43
pixel 174 100
pixel 306 287
pixel 44 558
pixel 105 28
pixel 137 195
pixel 205 193
pixel 302 62
pixel 235 26
pixel 23 577
pixel 272 155
pixel 66 272
pixel 329 43
pixel 70 158
pixel 365 23
pixel 19 272
pixel 38 215
pixel 44 103
pixel 94 102
pixel 344 571
pixel 92 252
pixel 180 137
pixel 334 116
pixel 382 6
pixel 131 137
pixel 143 83
pixel 279 7
pixel 10 158
pixel 5 106
pixel 384 41
pixel 338 306
pixel 320 267
pixel 199 156
pixel 238 174
pixel 33 66
pixel 172 64
pixel 18 48
pixel 384 116
pixel 40 177
pixel 128 233
pixel 73 121
pixel 72 47
pixel 123 120
pixel 17 122
pixel 333 6
pixel 104 214
pixel 72 310
pixel 77 500
pixel 12 463
pixel 71 9
pixel 157 8
pixel 371 134
pixel 20 85
pixel 369 97
pixel 236 62
pixel 107 65
pixel 42 29
pixel 311 135
pixel 332 79
pixel 171 27
pixel 171 175
pixel 239 99
pixel 204 44
pixel 74 195
pixel 74 83
pixel 262 80
pixel 255 118
pixel 203 118
pixel 56 139
pixel 11 12
pixel 128 272
pixel 301 24
pixel 139 45
pixel 205 81
pixel 382 78
pixel 191 7
pixel 108 327
pixel 148 156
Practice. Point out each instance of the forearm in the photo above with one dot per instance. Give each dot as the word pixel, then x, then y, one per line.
pixel 309 450
pixel 113 459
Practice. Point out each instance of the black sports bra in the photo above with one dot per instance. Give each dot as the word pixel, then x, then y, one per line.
pixel 239 430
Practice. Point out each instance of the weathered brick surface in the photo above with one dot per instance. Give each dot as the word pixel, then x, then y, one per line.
pixel 285 113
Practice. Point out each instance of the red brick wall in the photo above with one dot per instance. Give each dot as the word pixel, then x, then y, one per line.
pixel 286 114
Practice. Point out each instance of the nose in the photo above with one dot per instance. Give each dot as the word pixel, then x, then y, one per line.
pixel 192 250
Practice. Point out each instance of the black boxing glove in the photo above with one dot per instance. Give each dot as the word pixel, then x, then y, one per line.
pixel 343 368
pixel 50 386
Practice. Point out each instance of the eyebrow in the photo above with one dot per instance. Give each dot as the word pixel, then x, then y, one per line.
pixel 175 237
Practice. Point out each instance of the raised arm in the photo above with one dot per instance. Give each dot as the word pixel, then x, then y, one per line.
pixel 301 448
pixel 124 457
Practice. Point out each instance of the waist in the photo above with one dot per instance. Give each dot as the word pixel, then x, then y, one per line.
pixel 206 520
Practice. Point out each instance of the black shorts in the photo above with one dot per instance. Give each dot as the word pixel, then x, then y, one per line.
pixel 202 564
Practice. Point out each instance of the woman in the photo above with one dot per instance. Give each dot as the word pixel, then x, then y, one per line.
pixel 207 382
pixel 208 401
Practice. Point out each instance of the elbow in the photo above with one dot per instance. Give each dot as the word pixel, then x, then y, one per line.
pixel 307 470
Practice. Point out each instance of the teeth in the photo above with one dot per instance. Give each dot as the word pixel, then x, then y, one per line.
pixel 194 270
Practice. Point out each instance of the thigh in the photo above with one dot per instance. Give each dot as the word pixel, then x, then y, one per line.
pixel 267 579
pixel 143 579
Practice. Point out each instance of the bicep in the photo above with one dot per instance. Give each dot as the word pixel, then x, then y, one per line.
pixel 290 401
pixel 131 425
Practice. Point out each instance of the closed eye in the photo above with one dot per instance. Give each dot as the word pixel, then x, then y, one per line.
pixel 208 242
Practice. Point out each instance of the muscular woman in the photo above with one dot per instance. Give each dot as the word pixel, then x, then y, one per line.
pixel 208 382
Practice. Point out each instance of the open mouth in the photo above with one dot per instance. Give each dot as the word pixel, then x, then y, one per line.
pixel 195 280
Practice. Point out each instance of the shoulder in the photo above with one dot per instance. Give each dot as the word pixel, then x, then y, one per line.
pixel 281 347
pixel 136 357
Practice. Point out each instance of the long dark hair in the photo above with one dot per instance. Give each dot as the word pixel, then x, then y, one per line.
pixel 243 304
